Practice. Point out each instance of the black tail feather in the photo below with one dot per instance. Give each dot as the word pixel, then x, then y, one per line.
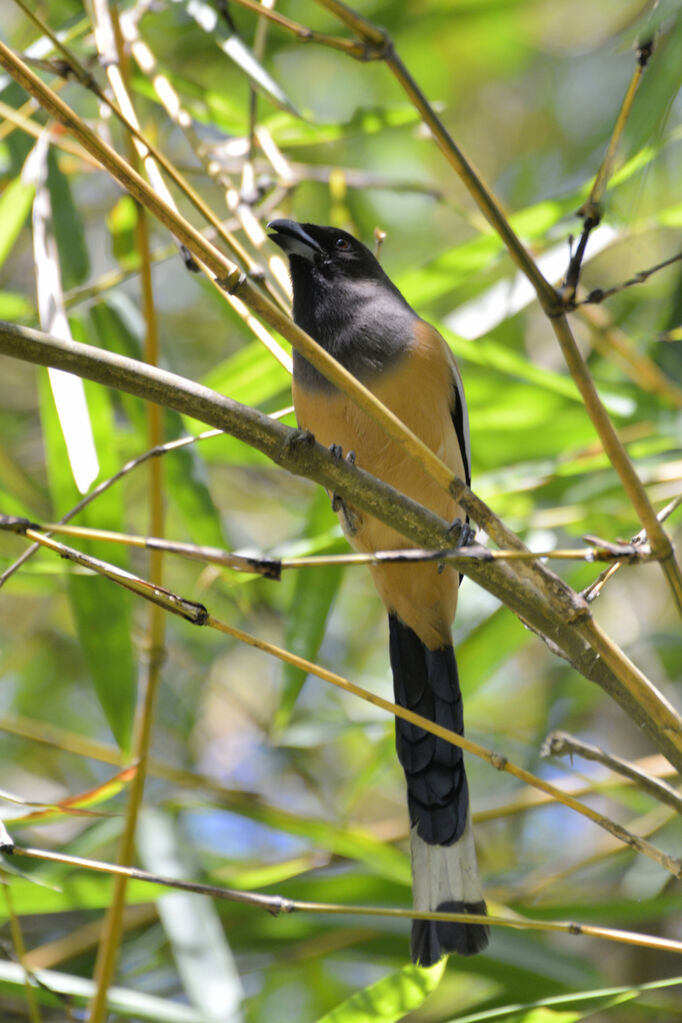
pixel 426 681
pixel 431 939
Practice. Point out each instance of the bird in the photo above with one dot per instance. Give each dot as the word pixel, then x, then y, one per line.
pixel 346 302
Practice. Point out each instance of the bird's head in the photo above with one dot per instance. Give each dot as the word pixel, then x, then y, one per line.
pixel 342 297
pixel 334 277
pixel 327 251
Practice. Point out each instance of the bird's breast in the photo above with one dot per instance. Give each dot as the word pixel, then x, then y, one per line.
pixel 418 387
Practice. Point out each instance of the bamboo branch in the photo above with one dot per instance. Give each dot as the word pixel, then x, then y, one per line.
pixel 149 153
pixel 277 905
pixel 106 27
pixel 256 808
pixel 553 303
pixel 561 744
pixel 272 567
pixel 20 951
pixel 591 210
pixel 616 452
pixel 197 614
pixel 598 295
pixel 592 591
pixel 555 612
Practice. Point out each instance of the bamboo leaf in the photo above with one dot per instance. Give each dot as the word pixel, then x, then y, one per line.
pixel 238 52
pixel 311 602
pixel 389 999
pixel 201 950
pixel 74 261
pixel 74 805
pixel 15 206
pixel 102 612
pixel 125 1003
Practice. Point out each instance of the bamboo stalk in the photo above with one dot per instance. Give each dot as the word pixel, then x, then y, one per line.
pixel 197 614
pixel 277 904
pixel 150 674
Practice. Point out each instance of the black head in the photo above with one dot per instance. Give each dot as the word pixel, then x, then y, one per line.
pixel 327 254
pixel 342 297
pixel 329 249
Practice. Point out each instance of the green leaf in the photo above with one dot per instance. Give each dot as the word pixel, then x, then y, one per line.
pixel 549 1010
pixel 72 805
pixel 660 85
pixel 102 611
pixel 366 121
pixel 251 376
pixel 314 593
pixel 184 472
pixel 15 307
pixel 191 922
pixel 238 52
pixel 391 998
pixel 121 221
pixel 15 206
pixel 67 223
pixel 123 1002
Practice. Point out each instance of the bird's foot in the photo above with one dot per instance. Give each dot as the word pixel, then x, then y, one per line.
pixel 463 535
pixel 350 519
pixel 462 532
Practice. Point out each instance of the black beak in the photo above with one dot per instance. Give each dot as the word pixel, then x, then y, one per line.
pixel 293 239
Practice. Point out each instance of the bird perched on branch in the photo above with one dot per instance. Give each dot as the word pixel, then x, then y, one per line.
pixel 345 302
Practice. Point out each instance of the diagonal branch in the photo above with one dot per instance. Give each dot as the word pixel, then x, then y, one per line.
pixel 552 302
pixel 553 610
pixel 561 744
pixel 197 614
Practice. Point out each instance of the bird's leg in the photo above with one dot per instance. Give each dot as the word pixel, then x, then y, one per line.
pixel 464 533
pixel 338 504
pixel 465 536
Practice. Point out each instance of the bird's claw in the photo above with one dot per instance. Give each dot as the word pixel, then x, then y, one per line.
pixel 337 451
pixel 338 504
pixel 465 534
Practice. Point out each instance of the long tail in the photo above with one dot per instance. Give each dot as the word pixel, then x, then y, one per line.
pixel 444 870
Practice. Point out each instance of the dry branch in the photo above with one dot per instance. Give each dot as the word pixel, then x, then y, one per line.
pixel 561 744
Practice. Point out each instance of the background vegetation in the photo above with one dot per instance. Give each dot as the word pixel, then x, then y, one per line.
pixel 260 778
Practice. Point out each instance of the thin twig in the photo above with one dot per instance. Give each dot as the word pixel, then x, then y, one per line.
pixel 272 568
pixel 306 35
pixel 20 952
pixel 612 342
pixel 277 905
pixel 102 487
pixel 253 806
pixel 561 744
pixel 197 614
pixel 616 452
pixel 598 295
pixel 594 589
pixel 591 210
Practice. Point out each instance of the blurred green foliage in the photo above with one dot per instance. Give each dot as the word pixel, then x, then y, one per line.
pixel 290 786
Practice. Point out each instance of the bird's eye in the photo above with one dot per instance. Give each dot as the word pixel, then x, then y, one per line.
pixel 342 244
